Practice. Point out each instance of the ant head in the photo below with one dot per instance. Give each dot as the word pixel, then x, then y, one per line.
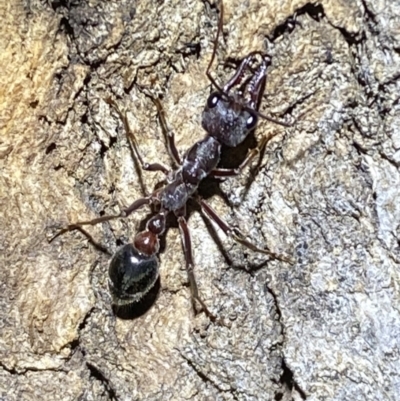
pixel 131 275
pixel 229 117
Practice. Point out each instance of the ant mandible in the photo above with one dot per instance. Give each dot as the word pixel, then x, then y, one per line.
pixel 228 118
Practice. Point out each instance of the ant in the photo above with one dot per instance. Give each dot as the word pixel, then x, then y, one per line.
pixel 228 118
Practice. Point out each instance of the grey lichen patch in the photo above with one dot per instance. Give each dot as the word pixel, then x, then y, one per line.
pixel 324 192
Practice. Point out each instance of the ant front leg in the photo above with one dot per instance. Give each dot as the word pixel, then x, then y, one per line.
pixel 233 172
pixel 236 235
pixel 187 248
pixel 134 143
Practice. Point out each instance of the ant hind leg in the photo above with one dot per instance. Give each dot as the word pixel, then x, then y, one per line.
pixel 236 234
pixel 124 213
pixel 187 248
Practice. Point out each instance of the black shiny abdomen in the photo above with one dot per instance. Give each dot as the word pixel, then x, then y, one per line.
pixel 131 275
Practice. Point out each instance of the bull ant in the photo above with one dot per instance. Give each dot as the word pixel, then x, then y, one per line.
pixel 228 118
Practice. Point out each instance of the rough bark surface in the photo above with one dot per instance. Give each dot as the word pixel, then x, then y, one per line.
pixel 325 191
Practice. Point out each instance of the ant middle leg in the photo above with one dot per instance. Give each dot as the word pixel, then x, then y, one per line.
pixel 168 133
pixel 237 235
pixel 134 143
pixel 187 248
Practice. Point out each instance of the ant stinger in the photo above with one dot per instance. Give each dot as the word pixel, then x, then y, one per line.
pixel 229 116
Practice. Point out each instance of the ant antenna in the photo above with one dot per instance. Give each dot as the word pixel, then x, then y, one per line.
pixel 223 91
pixel 272 120
pixel 208 73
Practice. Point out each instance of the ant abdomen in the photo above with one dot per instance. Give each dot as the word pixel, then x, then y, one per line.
pixel 131 275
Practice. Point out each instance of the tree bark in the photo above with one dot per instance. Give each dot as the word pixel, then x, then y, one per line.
pixel 326 191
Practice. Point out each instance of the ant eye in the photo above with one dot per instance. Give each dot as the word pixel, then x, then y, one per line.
pixel 213 99
pixel 251 121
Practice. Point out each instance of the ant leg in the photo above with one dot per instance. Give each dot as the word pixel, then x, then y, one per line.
pixel 169 135
pixel 96 244
pixel 235 234
pixel 232 172
pixel 134 143
pixel 187 248
pixel 124 213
